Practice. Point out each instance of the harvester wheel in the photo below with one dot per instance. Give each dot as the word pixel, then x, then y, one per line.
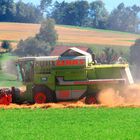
pixel 40 98
pixel 42 95
pixel 90 100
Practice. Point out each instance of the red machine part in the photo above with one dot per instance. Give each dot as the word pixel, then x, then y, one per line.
pixel 40 98
pixel 5 96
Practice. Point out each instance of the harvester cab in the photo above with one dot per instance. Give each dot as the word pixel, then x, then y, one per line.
pixel 25 69
pixel 28 67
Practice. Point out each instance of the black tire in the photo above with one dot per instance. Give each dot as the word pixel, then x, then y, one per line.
pixel 16 98
pixel 90 100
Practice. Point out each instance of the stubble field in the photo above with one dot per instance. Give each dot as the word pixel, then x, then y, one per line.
pixel 68 35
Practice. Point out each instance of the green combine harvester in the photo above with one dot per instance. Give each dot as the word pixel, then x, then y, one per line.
pixel 72 76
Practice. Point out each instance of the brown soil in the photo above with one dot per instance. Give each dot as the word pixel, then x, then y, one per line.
pixel 50 105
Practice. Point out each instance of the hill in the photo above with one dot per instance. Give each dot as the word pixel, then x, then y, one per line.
pixel 68 35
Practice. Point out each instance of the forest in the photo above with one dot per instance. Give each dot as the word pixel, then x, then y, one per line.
pixel 77 13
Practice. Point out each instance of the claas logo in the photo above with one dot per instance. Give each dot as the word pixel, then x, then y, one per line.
pixel 70 62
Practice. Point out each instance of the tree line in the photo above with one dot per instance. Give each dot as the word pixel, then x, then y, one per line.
pixel 95 15
pixel 77 13
pixel 19 12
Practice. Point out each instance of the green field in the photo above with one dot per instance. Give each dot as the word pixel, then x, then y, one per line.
pixel 70 124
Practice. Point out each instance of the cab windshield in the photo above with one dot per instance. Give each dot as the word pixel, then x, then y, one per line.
pixel 25 70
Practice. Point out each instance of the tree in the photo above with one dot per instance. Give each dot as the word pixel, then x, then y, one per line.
pixel 135 53
pixel 44 6
pixel 6 45
pixel 108 56
pixel 135 58
pixel 47 32
pixel 124 18
pixel 27 13
pixel 7 10
pixel 70 14
pixel 82 10
pixel 58 12
pixel 74 13
pixel 98 15
pixel 0 66
pixel 32 47
pixel 19 12
pixel 41 44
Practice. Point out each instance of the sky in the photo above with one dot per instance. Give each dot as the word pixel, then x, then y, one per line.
pixel 110 4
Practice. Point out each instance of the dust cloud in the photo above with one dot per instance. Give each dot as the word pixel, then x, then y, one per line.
pixel 9 67
pixel 129 96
